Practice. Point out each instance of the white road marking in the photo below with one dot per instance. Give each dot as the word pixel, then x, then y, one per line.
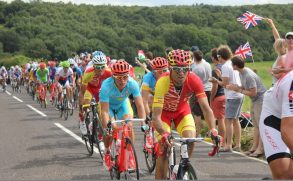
pixel 73 135
pixel 34 109
pixel 17 99
pixel 235 152
pixel 8 93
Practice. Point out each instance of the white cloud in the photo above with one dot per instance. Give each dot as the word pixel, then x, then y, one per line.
pixel 169 2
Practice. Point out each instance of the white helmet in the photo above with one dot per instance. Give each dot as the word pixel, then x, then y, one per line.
pixel 99 57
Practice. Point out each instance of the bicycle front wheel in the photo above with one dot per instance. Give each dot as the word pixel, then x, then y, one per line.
pixel 186 173
pixel 132 173
pixel 149 155
pixel 88 137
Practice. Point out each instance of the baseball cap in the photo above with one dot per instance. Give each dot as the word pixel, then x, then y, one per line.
pixel 289 34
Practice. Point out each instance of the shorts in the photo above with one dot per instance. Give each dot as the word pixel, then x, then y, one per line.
pixel 233 108
pixel 274 146
pixel 255 111
pixel 63 83
pixel 90 92
pixel 123 109
pixel 195 107
pixel 182 120
pixel 218 106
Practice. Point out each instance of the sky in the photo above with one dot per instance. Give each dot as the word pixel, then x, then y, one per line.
pixel 152 3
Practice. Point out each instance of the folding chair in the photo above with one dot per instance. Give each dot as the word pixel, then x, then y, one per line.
pixel 245 120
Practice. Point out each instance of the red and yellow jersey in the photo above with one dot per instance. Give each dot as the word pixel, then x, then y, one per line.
pixel 169 99
pixel 91 79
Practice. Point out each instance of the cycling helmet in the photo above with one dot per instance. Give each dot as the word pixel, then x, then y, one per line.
pixel 99 58
pixel 52 63
pixel 66 64
pixel 42 65
pixel 158 63
pixel 179 58
pixel 71 61
pixel 120 67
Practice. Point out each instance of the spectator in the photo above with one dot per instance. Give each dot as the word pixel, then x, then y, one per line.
pixel 204 71
pixel 280 48
pixel 253 87
pixel 217 98
pixel 234 99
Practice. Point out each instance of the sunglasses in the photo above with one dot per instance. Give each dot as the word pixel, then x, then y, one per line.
pixel 99 67
pixel 121 77
pixel 289 37
pixel 180 69
pixel 160 71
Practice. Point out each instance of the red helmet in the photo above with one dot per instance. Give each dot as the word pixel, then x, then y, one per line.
pixel 120 67
pixel 51 63
pixel 158 63
pixel 179 58
pixel 42 65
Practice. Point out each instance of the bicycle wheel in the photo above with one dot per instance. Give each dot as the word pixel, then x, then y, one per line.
pixel 131 160
pixel 97 133
pixel 114 173
pixel 88 137
pixel 65 108
pixel 149 154
pixel 186 173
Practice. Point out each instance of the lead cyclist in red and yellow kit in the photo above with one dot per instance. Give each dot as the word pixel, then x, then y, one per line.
pixel 172 93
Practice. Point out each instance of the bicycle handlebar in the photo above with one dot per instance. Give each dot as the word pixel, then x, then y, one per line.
pixel 127 120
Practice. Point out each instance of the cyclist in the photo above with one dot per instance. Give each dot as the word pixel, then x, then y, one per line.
pixel 159 65
pixel 172 92
pixel 91 83
pixel 276 127
pixel 3 76
pixel 114 100
pixel 42 76
pixel 76 74
pixel 52 73
pixel 62 79
pixel 17 74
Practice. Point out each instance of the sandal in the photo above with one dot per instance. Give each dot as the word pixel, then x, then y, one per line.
pixel 255 155
pixel 249 152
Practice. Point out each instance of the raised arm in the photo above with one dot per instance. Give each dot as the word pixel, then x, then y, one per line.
pixel 274 29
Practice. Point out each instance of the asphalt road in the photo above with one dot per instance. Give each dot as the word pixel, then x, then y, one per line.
pixel 38 145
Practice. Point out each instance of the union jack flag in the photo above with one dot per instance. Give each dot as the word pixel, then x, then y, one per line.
pixel 249 19
pixel 244 51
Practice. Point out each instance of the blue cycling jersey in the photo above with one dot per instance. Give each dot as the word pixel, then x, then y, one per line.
pixel 149 81
pixel 111 94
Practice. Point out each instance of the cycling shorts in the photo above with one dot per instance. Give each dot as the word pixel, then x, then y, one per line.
pixel 90 92
pixel 182 119
pixel 124 109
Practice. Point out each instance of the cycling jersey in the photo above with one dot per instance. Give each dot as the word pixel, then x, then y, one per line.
pixel 42 75
pixel 149 82
pixel 63 75
pixel 118 100
pixel 52 73
pixel 277 104
pixel 93 82
pixel 168 98
pixel 175 105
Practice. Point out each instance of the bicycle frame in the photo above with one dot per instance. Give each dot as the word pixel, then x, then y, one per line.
pixel 125 135
pixel 184 157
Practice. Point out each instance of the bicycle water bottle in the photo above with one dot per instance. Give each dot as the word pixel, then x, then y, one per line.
pixel 149 140
pixel 91 128
pixel 174 172
pixel 118 145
